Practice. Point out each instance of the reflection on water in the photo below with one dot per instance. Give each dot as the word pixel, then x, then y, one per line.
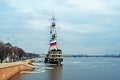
pixel 17 76
pixel 56 73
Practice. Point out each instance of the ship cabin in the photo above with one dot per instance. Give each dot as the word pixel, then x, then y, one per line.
pixel 55 56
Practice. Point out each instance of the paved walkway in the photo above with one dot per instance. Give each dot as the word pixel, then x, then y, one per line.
pixel 23 62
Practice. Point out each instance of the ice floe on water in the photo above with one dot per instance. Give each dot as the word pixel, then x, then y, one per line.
pixel 73 62
pixel 94 66
pixel 77 62
pixel 48 68
pixel 36 71
pixel 39 68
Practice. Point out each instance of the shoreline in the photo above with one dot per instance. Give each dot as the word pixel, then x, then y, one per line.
pixel 9 70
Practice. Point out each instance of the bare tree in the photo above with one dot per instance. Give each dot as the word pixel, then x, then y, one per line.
pixel 10 51
pixel 2 49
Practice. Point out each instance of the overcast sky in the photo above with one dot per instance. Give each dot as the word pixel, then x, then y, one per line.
pixel 84 26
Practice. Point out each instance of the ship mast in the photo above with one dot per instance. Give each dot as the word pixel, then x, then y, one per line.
pixel 53 34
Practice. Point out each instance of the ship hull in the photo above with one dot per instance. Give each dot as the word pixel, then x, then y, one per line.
pixel 54 57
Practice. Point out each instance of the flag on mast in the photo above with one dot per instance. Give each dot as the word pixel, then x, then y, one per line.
pixel 53 43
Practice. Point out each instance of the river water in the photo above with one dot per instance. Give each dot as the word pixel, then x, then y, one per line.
pixel 75 69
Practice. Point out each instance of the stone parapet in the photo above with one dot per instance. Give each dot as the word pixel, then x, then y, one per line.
pixel 7 70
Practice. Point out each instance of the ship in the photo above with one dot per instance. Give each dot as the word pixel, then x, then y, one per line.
pixel 54 55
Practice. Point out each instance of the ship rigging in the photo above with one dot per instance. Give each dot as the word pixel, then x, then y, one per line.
pixel 54 55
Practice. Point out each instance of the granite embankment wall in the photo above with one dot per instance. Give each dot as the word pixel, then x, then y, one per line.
pixel 8 70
